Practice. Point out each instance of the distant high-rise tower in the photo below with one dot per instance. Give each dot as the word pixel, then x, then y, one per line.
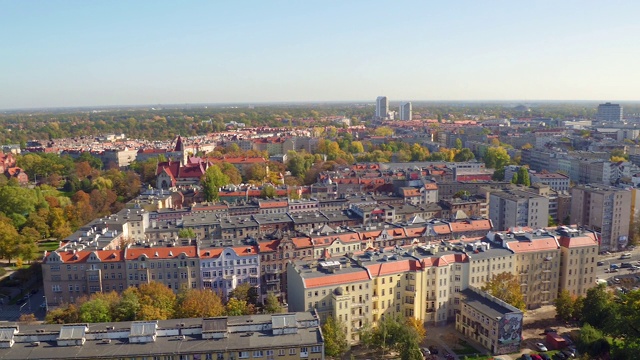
pixel 609 112
pixel 382 107
pixel 405 111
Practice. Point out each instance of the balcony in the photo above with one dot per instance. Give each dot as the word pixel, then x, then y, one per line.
pixel 374 297
pixel 273 281
pixel 272 271
pixel 357 304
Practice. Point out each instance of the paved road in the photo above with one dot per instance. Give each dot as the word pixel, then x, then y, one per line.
pixel 615 259
pixel 13 312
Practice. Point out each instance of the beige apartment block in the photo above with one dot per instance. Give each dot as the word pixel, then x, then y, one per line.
pixel 579 253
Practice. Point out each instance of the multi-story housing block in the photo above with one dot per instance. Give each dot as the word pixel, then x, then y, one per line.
pixel 494 324
pixel 516 208
pixel 537 264
pixel 605 210
pixel 557 181
pixel 579 251
pixel 223 269
pixel 280 336
pixel 175 267
pixel 69 275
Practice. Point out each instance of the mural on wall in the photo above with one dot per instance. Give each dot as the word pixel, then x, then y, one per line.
pixel 510 329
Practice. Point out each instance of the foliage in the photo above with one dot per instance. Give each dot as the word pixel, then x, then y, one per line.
pixel 597 308
pixel 187 233
pixel 506 287
pixel 199 303
pixel 27 319
pixel 245 292
pixel 551 221
pixel 272 305
pixel 268 192
pixel 523 176
pixel 237 307
pixel 231 172
pixel 157 302
pixel 335 338
pixel 96 310
pixel 496 158
pixel 212 180
pixel 565 305
pixel 395 334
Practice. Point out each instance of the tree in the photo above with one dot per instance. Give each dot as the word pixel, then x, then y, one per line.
pixel 231 172
pixel 9 239
pixel 523 176
pixel 564 305
pixel 458 144
pixel 212 180
pixel 157 302
pixel 335 338
pixel 506 287
pixel 394 333
pixel 515 179
pixel 383 131
pixel 464 155
pixel 237 307
pixel 245 292
pixel 268 192
pixel 199 303
pixel 552 221
pixel 272 305
pixel 498 175
pixel 95 310
pixel 527 146
pixel 27 319
pixel 129 305
pixel 496 158
pixel 256 172
pixel 597 309
pixel 187 233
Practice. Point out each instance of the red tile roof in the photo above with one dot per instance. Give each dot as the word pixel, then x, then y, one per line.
pixel 541 244
pixel 586 239
pixel 163 252
pixel 336 279
pixel 82 256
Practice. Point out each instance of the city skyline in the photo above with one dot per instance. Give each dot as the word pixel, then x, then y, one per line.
pixel 75 54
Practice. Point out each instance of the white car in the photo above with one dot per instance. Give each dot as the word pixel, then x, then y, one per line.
pixel 541 347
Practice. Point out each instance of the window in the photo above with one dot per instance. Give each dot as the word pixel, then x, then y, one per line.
pixel 292 351
pixel 257 354
pixel 316 349
pixel 281 352
pixel 243 354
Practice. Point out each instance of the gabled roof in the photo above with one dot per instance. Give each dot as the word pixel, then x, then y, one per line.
pixel 161 252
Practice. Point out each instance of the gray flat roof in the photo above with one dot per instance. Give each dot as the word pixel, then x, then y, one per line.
pixel 486 305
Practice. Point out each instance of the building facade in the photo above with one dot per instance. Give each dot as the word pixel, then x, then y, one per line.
pixel 382 107
pixel 609 112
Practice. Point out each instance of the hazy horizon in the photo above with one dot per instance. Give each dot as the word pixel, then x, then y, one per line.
pixel 76 54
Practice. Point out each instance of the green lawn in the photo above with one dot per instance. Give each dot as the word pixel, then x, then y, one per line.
pixel 463 348
pixel 48 245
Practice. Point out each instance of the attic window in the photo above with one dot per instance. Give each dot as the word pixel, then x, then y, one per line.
pixel 170 253
pixel 156 254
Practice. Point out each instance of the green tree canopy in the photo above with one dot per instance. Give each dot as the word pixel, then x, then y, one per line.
pixel 212 180
pixel 335 338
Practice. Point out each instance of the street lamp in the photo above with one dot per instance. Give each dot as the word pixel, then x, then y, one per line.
pixel 46 305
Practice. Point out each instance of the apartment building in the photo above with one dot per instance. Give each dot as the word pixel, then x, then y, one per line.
pixel 69 275
pixel 176 267
pixel 516 208
pixel 490 322
pixel 282 336
pixel 557 181
pixel 537 264
pixel 223 269
pixel 579 252
pixel 333 288
pixel 605 210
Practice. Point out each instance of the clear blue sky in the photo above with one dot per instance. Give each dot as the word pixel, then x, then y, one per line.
pixel 78 53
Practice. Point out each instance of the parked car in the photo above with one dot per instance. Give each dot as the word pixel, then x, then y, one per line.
pixel 549 330
pixel 526 357
pixel 625 265
pixel 545 356
pixel 425 351
pixel 433 350
pixel 535 357
pixel 34 291
pixel 559 356
pixel 616 280
pixel 541 347
pixel 600 263
pixel 570 351
pixel 612 270
pixel 568 354
pixel 614 266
